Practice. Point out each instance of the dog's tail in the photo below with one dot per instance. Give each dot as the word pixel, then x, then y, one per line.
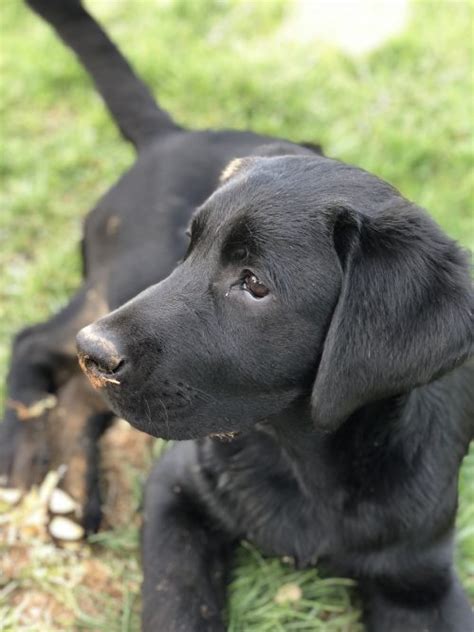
pixel 129 100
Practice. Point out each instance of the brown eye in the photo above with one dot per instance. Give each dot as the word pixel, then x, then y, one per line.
pixel 254 286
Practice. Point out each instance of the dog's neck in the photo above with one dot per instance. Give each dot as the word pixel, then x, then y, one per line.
pixel 382 429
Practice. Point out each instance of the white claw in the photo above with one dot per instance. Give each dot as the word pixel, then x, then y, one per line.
pixel 65 529
pixel 10 496
pixel 61 503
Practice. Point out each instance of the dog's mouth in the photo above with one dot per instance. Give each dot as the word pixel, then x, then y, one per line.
pixel 162 408
pixel 163 419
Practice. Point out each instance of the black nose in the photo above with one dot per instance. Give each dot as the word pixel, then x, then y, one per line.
pixel 99 356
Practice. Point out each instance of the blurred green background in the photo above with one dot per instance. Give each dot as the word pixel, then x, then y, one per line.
pixel 403 111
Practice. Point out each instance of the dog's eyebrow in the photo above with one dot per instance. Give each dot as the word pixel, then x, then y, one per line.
pixel 242 234
pixel 196 230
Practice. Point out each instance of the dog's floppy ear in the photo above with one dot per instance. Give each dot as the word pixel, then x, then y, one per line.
pixel 404 314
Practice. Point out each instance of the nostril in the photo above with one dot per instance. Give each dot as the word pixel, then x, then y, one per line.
pixel 102 364
pixel 98 354
pixel 119 365
pixel 105 362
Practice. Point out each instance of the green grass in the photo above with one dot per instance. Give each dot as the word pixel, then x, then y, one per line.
pixel 404 112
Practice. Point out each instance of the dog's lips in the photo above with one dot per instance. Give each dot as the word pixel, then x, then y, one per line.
pixel 136 404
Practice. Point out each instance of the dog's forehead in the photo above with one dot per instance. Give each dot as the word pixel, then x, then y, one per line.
pixel 287 197
pixel 259 195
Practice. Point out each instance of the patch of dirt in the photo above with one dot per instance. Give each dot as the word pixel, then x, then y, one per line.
pixel 126 458
pixel 36 608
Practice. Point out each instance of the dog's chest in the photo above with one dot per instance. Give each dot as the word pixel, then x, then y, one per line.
pixel 252 488
pixel 259 492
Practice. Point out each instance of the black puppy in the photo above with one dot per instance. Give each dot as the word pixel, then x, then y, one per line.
pixel 307 343
pixel 310 322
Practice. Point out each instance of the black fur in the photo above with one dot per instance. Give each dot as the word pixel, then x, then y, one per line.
pixel 344 389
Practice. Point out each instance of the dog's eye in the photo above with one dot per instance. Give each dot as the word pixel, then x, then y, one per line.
pixel 251 284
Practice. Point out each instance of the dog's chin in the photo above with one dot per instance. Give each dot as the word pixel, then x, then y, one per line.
pixel 179 433
pixel 170 425
pixel 176 431
pixel 160 430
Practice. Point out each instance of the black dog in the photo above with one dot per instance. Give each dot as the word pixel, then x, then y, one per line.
pixel 306 343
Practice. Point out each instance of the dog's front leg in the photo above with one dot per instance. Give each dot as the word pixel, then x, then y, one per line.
pixel 185 556
pixel 43 360
pixel 437 604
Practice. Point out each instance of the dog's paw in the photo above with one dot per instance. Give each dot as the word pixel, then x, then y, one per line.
pixel 53 438
pixel 24 451
pixel 42 513
pixel 74 470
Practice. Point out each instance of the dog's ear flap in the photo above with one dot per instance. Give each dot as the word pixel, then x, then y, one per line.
pixel 404 314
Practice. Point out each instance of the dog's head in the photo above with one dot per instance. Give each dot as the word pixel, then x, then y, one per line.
pixel 305 280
